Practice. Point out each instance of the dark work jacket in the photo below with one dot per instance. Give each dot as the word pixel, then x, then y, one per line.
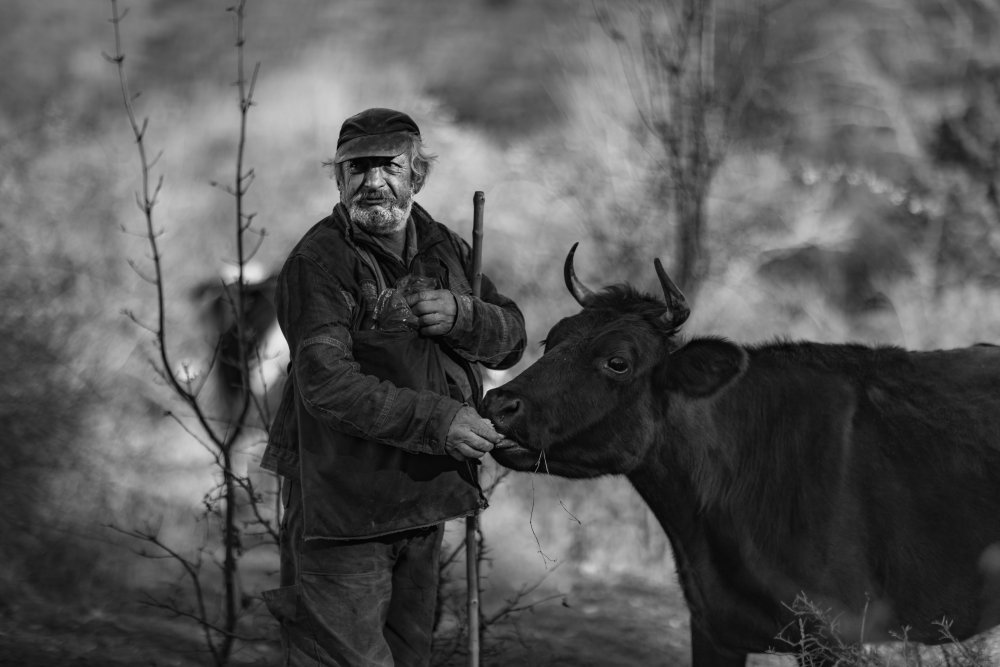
pixel 364 414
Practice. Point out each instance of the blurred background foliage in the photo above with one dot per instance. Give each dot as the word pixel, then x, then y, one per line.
pixel 854 199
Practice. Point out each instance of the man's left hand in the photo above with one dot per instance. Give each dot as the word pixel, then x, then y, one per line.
pixel 435 309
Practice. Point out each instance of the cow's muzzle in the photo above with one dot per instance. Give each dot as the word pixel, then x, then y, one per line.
pixel 508 412
pixel 505 410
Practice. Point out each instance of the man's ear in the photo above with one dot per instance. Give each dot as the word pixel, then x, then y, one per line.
pixel 703 367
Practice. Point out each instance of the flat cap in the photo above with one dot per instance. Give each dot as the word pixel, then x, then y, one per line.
pixel 375 133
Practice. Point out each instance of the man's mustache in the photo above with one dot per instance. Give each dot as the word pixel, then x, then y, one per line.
pixel 373 196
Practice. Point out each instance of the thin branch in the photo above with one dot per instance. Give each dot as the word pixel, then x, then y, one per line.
pixel 514 605
pixel 269 527
pixel 147 202
pixel 211 447
pixel 139 272
pixel 191 568
pixel 129 313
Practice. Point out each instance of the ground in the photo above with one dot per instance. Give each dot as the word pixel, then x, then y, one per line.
pixel 599 625
pixel 593 624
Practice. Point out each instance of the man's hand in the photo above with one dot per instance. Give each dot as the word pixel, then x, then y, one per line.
pixel 435 309
pixel 470 436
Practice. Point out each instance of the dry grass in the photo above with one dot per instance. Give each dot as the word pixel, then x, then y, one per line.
pixel 816 638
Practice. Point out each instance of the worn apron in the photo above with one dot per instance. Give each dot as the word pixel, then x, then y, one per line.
pixel 370 488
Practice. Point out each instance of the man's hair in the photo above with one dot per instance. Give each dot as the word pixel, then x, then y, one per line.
pixel 421 161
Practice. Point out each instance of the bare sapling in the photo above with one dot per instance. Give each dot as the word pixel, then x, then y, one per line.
pixel 237 514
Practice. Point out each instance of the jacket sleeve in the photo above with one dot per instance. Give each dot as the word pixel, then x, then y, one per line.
pixel 315 311
pixel 488 329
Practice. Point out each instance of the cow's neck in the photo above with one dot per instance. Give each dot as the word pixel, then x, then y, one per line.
pixel 674 503
pixel 724 597
pixel 747 456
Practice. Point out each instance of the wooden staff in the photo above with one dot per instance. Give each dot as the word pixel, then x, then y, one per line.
pixel 471 548
pixel 478 200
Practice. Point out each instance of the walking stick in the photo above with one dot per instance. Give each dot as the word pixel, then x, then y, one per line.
pixel 471 556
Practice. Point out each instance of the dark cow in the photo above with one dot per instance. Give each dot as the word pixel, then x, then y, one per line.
pixel 865 478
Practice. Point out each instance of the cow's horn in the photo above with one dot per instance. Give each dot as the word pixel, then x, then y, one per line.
pixel 677 307
pixel 579 291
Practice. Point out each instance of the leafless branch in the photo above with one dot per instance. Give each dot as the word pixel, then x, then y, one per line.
pixel 191 569
pixel 516 604
pixel 218 436
pixel 146 201
pixel 210 446
pixel 269 526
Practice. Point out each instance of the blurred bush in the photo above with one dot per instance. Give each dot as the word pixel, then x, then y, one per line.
pixel 49 393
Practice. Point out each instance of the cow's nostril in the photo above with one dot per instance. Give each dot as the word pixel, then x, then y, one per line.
pixel 502 407
pixel 511 407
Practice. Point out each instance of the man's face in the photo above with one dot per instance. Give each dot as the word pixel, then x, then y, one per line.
pixel 378 192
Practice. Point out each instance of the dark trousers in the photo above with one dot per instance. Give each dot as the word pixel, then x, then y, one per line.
pixel 355 603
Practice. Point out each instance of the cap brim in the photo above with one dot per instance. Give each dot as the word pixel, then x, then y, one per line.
pixel 379 145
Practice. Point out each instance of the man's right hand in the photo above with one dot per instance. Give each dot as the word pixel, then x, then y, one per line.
pixel 470 436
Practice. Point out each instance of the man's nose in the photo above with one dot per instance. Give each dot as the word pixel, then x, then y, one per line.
pixel 374 178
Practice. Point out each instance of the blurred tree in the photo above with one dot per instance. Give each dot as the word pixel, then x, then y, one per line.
pixel 52 291
pixel 669 61
pixel 44 407
pixel 671 52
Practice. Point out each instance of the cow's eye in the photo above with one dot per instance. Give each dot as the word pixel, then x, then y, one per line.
pixel 617 365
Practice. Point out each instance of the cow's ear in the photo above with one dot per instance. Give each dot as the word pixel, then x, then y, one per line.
pixel 703 367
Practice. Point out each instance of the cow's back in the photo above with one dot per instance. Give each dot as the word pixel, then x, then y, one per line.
pixel 869 476
pixel 932 484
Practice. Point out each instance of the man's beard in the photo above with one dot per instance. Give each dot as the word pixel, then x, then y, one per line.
pixel 385 219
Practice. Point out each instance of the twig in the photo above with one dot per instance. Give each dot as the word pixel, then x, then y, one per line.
pixel 191 569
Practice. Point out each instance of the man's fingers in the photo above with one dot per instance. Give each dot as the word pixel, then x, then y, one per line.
pixel 470 435
pixel 424 300
pixel 435 324
pixel 423 308
pixel 464 450
pixel 431 301
pixel 433 319
pixel 430 311
pixel 479 443
pixel 435 311
pixel 484 429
